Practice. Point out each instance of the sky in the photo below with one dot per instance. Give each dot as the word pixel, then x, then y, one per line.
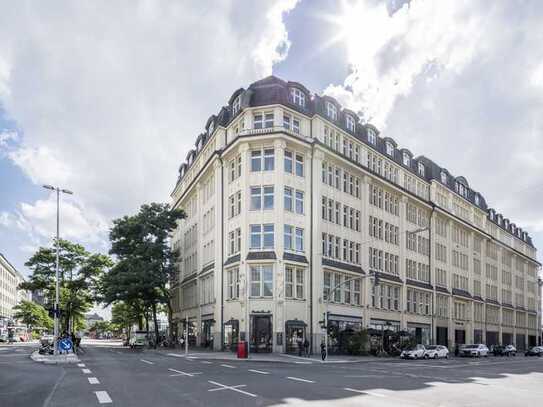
pixel 105 98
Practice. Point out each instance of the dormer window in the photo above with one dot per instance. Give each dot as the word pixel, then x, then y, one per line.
pixel 443 177
pixel 371 136
pixel 297 97
pixel 349 121
pixel 331 111
pixel 499 220
pixel 406 160
pixel 390 148
pixel 506 223
pixel 236 106
pixel 210 129
pixel 491 215
pixel 421 169
pixel 477 200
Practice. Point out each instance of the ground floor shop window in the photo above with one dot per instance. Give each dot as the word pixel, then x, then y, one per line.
pixel 231 335
pixel 419 332
pixel 385 336
pixel 341 331
pixel 442 336
pixel 477 336
pixel 206 338
pixel 492 338
pixel 295 336
pixel 521 342
pixel 261 333
pixel 507 338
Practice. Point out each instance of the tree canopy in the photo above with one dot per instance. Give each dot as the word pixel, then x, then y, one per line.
pixel 80 272
pixel 33 315
pixel 145 263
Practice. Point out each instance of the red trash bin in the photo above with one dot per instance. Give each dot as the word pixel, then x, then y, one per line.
pixel 242 350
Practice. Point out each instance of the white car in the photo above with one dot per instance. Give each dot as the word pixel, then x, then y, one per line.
pixel 414 353
pixel 477 350
pixel 436 351
pixel 510 350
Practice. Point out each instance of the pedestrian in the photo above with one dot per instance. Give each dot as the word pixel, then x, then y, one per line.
pixel 323 351
pixel 306 347
pixel 299 341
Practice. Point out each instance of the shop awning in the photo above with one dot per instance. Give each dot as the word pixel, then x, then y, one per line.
pixel 296 323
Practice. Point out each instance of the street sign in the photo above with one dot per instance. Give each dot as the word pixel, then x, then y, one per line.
pixel 65 344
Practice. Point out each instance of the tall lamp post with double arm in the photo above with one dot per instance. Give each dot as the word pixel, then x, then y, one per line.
pixel 57 274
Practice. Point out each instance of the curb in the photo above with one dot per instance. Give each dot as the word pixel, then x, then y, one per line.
pixel 52 360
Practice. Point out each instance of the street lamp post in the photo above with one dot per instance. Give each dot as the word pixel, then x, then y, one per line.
pixel 57 277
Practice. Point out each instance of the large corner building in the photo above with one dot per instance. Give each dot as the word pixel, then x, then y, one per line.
pixel 288 196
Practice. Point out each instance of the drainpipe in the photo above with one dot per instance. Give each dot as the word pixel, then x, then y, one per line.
pixel 222 251
pixel 311 244
pixel 432 325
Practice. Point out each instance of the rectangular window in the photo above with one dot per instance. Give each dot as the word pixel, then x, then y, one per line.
pixel 256 198
pixel 262 236
pixel 233 284
pixel 256 160
pixel 268 197
pixel 299 239
pixel 326 285
pixel 289 282
pixel 288 161
pixel 299 202
pixel 263 120
pixel 269 159
pixel 261 281
pixel 299 165
pixel 288 199
pixel 288 238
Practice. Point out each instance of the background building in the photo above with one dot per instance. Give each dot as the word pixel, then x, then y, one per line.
pixel 288 195
pixel 10 295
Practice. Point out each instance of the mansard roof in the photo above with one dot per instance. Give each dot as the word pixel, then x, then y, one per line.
pixel 272 90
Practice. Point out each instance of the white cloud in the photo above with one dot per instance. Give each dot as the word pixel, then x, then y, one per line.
pixel 110 96
pixel 387 52
pixel 459 82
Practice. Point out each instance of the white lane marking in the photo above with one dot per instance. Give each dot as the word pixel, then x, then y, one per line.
pixel 180 373
pixel 93 380
pixel 80 365
pixel 103 397
pixel 206 362
pixel 228 366
pixel 258 371
pixel 177 355
pixel 304 363
pixel 371 393
pixel 299 379
pixel 354 390
pixel 86 371
pixel 233 388
pixel 146 361
pixel 192 357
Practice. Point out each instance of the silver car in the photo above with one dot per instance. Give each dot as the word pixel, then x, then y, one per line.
pixel 436 352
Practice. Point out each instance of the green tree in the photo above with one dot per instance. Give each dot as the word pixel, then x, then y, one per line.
pixel 146 263
pixel 33 315
pixel 79 271
pixel 124 315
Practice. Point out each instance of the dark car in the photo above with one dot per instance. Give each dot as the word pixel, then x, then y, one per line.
pixel 498 350
pixel 534 351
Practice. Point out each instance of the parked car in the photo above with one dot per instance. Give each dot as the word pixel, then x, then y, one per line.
pixel 510 350
pixel 47 339
pixel 477 350
pixel 436 351
pixel 416 352
pixel 534 351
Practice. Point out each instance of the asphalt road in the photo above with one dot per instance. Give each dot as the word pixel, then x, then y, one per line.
pixel 116 376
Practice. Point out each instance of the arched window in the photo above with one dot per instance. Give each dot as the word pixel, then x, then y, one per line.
pixel 443 177
pixel 406 160
pixel 297 97
pixel 390 148
pixel 421 169
pixel 331 110
pixel 371 136
pixel 349 122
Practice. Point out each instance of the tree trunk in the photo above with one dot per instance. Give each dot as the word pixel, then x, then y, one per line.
pixel 156 324
pixel 172 335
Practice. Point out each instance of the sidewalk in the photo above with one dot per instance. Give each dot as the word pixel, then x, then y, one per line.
pixel 270 357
